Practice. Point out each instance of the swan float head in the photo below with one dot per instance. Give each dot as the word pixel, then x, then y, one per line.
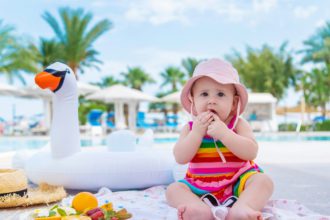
pixel 59 78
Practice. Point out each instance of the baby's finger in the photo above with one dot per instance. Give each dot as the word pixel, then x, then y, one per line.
pixel 206 117
pixel 210 120
pixel 216 117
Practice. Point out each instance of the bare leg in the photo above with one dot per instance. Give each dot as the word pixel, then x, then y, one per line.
pixel 189 206
pixel 258 189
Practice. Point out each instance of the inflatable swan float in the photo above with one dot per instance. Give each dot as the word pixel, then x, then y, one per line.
pixel 67 165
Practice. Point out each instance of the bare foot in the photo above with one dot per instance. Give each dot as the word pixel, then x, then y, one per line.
pixel 192 212
pixel 240 212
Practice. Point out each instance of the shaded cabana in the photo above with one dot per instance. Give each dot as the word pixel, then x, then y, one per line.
pixel 120 95
pixel 261 111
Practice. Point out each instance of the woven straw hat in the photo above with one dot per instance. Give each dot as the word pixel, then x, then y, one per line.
pixel 14 190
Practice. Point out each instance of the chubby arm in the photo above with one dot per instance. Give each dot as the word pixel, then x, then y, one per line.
pixel 189 141
pixel 187 145
pixel 242 143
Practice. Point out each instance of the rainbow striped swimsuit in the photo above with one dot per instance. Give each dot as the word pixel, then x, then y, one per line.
pixel 208 174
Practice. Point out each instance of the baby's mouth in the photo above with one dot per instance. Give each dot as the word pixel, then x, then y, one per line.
pixel 213 111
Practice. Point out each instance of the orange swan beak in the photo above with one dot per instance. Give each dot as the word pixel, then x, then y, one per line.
pixel 47 80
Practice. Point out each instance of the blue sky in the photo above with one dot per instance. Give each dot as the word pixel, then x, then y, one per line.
pixel 156 34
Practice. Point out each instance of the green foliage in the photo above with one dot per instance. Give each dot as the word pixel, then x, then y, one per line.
pixel 85 107
pixel 174 77
pixel 316 87
pixel 136 78
pixel 48 52
pixel 320 126
pixel 107 81
pixel 189 65
pixel 306 128
pixel 323 126
pixel 76 37
pixel 266 70
pixel 317 47
pixel 15 56
pixel 287 127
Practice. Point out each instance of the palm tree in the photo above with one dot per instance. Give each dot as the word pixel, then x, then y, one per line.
pixel 316 87
pixel 189 65
pixel 174 77
pixel 107 81
pixel 15 56
pixel 86 105
pixel 136 78
pixel 266 70
pixel 48 52
pixel 318 46
pixel 76 38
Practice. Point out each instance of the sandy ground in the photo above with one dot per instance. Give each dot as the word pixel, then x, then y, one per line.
pixel 300 170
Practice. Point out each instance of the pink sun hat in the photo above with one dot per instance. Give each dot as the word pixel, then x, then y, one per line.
pixel 220 71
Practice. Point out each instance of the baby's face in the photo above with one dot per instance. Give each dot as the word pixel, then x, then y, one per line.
pixel 209 95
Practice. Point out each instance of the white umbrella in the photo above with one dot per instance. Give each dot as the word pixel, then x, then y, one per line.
pixel 119 94
pixel 34 91
pixel 261 98
pixel 9 90
pixel 173 97
pixel 86 88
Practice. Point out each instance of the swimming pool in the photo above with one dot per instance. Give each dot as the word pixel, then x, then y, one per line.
pixel 13 144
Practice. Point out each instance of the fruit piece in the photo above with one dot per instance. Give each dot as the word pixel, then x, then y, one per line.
pixel 122 211
pixel 49 218
pixel 84 200
pixel 107 206
pixel 114 218
pixel 97 215
pixel 123 214
pixel 92 211
pixel 76 217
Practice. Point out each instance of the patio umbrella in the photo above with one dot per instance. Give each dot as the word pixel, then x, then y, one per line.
pixel 173 97
pixel 86 88
pixel 34 91
pixel 119 95
pixel 9 90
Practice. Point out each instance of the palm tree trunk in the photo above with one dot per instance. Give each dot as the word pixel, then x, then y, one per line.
pixel 126 113
pixel 74 68
pixel 324 109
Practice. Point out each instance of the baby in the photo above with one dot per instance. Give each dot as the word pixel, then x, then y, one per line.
pixel 220 148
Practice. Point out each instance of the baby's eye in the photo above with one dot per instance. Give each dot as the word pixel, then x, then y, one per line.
pixel 221 94
pixel 204 94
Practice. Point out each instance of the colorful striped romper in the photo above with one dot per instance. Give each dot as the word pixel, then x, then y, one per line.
pixel 208 174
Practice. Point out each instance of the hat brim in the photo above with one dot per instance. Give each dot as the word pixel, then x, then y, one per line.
pixel 43 194
pixel 186 102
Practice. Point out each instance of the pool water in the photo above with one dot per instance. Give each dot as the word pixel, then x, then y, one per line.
pixel 271 138
pixel 13 144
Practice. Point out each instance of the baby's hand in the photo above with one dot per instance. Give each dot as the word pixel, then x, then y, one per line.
pixel 216 127
pixel 201 122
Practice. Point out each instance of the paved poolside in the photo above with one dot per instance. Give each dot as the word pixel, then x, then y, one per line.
pixel 300 170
